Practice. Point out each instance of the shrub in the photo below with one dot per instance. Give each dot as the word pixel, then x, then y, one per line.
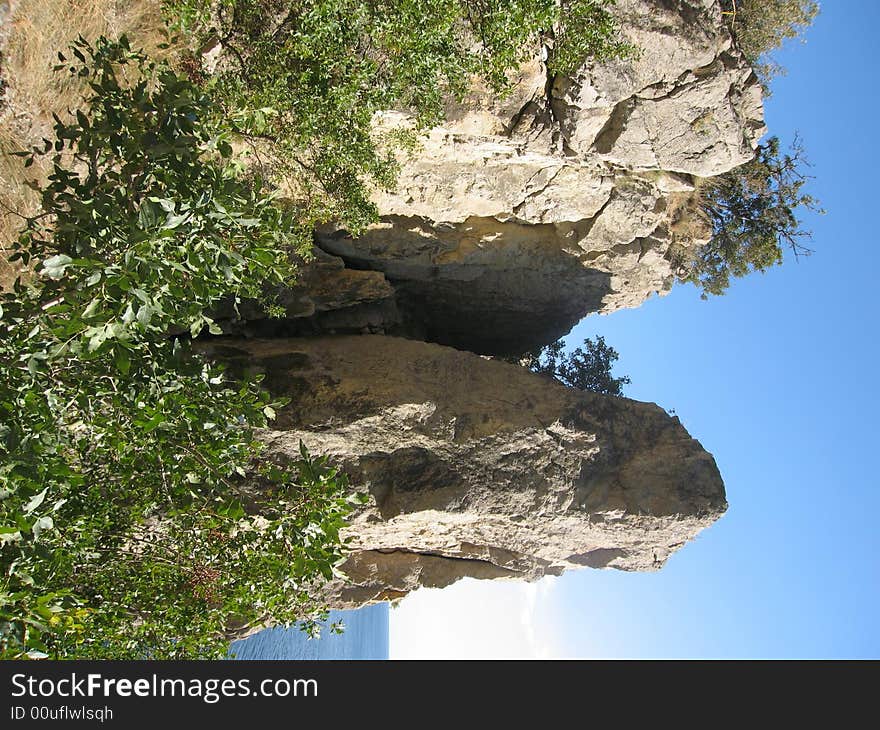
pixel 130 523
pixel 762 26
pixel 587 368
pixel 305 79
pixel 752 211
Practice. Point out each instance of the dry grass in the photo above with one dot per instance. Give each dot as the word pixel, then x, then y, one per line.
pixel 41 28
pixel 38 29
pixel 16 199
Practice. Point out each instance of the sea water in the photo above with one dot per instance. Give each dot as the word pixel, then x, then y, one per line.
pixel 365 637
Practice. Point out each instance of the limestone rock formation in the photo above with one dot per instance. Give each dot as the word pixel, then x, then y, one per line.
pixel 516 218
pixel 522 214
pixel 478 468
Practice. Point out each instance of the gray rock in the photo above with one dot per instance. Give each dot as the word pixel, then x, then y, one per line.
pixel 478 468
pixel 520 215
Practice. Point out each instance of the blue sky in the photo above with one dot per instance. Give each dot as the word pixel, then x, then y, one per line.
pixel 778 379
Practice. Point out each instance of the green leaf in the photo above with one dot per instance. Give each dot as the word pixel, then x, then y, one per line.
pixel 144 315
pixel 43 524
pixel 35 501
pixel 123 361
pixel 173 221
pixel 55 266
pixel 167 205
pixel 91 309
pixel 153 423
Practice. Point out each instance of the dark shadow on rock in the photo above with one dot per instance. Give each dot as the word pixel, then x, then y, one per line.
pixel 487 286
pixel 482 316
pixel 396 477
pixel 598 558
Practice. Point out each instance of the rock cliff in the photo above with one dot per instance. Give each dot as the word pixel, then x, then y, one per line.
pixel 516 218
pixel 478 468
pixel 522 214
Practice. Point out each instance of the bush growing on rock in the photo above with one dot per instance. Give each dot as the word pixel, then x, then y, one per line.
pixel 586 368
pixel 753 213
pixel 762 26
pixel 308 77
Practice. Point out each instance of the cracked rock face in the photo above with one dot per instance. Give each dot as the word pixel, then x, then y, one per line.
pixel 522 214
pixel 477 468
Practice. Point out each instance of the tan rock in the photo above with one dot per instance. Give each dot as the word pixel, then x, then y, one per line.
pixel 477 468
pixel 522 214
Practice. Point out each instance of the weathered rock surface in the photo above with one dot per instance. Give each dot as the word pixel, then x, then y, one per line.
pixel 477 468
pixel 522 214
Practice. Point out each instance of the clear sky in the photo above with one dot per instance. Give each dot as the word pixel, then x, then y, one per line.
pixel 778 379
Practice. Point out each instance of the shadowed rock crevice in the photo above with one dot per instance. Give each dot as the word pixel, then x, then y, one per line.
pixel 483 285
pixel 386 575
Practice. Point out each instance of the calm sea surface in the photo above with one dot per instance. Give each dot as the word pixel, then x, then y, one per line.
pixel 365 637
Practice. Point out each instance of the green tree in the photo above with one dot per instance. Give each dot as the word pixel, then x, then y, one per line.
pixel 138 516
pixel 753 213
pixel 586 368
pixel 304 80
pixel 586 29
pixel 762 26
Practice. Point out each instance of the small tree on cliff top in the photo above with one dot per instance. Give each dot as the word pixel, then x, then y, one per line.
pixel 762 26
pixel 587 368
pixel 753 212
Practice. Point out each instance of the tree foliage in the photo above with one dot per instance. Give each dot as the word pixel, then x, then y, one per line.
pixel 309 77
pixel 762 26
pixel 753 212
pixel 586 29
pixel 128 527
pixel 586 368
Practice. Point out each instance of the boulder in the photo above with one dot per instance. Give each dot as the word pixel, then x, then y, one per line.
pixel 479 468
